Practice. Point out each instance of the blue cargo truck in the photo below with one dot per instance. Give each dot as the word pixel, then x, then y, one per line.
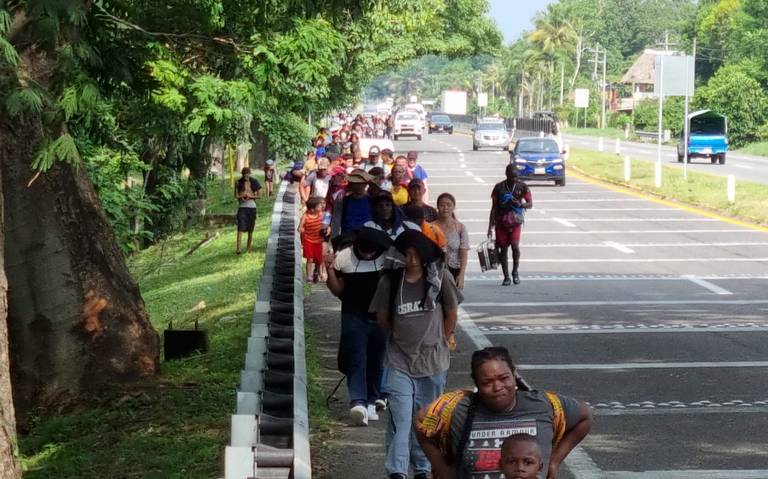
pixel 707 137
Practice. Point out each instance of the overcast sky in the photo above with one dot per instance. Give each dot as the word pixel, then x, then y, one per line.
pixel 514 16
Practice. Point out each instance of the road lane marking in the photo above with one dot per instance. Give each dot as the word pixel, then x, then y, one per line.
pixel 657 365
pixel 462 165
pixel 634 220
pixel 745 167
pixel 611 244
pixel 592 232
pixel 540 210
pixel 619 247
pixel 468 325
pixel 707 285
pixel 641 260
pixel 689 474
pixel 653 411
pixel 479 180
pixel 564 222
pixel 469 173
pixel 671 302
pixel 616 329
pixel 616 277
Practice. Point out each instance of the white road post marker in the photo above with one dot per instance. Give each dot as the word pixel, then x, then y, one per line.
pixel 600 145
pixel 731 189
pixel 618 146
pixel 658 174
pixel 627 169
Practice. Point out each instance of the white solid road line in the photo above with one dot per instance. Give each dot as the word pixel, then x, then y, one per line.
pixel 617 277
pixel 641 260
pixel 659 365
pixel 745 167
pixel 592 232
pixel 627 247
pixel 546 332
pixel 564 222
pixel 671 302
pixel 689 474
pixel 706 284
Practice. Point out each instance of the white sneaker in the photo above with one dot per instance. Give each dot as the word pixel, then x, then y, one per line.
pixel 372 414
pixel 381 405
pixel 359 415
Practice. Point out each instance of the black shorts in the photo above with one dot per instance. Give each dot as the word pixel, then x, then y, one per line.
pixel 246 219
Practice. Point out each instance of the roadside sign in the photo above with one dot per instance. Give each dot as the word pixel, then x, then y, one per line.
pixel 581 97
pixel 482 100
pixel 675 76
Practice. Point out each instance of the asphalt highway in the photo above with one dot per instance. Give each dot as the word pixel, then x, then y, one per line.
pixel 743 167
pixel 656 316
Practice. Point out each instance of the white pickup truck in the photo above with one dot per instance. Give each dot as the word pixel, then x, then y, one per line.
pixel 408 123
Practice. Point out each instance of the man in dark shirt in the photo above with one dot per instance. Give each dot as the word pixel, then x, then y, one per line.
pixel 353 210
pixel 353 275
pixel 511 196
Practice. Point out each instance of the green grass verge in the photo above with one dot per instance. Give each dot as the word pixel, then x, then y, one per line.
pixel 757 149
pixel 176 425
pixel 701 189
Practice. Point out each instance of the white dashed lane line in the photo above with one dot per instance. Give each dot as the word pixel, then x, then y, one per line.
pixel 564 222
pixel 619 247
pixel 641 328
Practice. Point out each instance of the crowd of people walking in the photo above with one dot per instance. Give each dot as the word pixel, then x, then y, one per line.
pixel 398 266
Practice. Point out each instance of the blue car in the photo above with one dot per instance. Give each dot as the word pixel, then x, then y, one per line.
pixel 539 159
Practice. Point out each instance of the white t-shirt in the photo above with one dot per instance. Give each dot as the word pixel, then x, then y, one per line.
pixel 319 186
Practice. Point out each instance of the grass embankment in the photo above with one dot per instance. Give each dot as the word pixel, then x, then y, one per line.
pixel 702 189
pixel 176 425
pixel 757 149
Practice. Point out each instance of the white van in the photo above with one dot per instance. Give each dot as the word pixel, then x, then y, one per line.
pixel 408 123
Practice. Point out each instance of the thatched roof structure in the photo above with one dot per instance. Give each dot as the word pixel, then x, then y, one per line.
pixel 643 70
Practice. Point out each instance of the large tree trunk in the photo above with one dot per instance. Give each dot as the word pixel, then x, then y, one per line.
pixel 77 321
pixel 9 466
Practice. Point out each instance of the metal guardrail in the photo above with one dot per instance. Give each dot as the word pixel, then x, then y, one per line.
pixel 270 426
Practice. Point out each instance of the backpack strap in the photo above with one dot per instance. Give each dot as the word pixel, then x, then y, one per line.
pixel 558 421
pixel 395 277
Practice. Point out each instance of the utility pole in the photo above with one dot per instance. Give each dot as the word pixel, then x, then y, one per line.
pixel 602 92
pixel 596 79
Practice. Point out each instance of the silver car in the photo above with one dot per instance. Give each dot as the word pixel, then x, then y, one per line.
pixel 490 135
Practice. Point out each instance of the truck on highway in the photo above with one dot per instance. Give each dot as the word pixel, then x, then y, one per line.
pixel 707 137
pixel 453 102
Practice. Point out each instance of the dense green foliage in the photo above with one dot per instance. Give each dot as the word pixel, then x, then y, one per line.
pixel 148 88
pixel 559 55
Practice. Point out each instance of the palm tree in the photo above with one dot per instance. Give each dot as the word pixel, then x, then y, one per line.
pixel 556 36
pixel 403 85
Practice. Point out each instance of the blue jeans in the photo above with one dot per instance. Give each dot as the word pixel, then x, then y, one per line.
pixel 407 396
pixel 361 356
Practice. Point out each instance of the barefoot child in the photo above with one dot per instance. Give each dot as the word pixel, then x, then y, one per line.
pixel 269 176
pixel 312 231
pixel 520 457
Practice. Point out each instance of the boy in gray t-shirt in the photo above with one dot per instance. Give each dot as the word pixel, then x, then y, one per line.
pixel 418 305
